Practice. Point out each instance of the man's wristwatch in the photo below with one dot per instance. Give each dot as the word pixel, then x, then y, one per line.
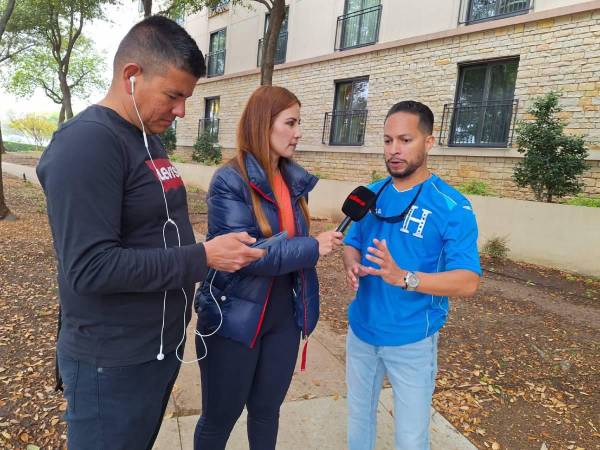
pixel 411 281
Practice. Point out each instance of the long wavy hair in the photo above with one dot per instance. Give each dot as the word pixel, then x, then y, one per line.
pixel 253 137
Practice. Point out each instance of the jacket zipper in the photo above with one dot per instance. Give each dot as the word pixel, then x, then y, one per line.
pixel 264 308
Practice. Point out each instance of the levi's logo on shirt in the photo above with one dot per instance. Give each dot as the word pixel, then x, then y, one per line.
pixel 167 174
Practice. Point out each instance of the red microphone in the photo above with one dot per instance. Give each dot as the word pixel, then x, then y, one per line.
pixel 356 206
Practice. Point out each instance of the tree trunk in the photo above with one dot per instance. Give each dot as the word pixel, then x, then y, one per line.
pixel 61 114
pixel 270 42
pixel 10 7
pixel 4 211
pixel 66 103
pixel 147 8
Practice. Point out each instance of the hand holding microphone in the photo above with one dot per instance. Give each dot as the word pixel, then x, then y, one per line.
pixel 356 206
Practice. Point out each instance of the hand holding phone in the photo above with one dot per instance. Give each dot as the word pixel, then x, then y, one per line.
pixel 266 243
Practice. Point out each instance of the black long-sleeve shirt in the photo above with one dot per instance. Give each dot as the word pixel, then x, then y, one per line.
pixel 106 212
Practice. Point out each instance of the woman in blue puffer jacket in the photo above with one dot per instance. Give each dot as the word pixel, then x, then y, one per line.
pixel 254 317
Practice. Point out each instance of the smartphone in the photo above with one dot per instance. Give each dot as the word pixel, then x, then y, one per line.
pixel 266 243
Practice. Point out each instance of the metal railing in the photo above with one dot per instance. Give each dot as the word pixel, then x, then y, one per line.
pixel 474 11
pixel 344 127
pixel 210 126
pixel 215 63
pixel 280 51
pixel 482 124
pixel 358 29
pixel 222 6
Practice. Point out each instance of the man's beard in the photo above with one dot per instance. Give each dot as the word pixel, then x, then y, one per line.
pixel 410 168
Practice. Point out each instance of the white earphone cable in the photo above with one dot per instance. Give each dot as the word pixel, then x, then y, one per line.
pixel 160 356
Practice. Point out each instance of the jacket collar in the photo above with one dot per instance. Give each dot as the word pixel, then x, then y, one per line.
pixel 299 181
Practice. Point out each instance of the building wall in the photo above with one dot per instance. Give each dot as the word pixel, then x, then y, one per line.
pixel 312 25
pixel 556 53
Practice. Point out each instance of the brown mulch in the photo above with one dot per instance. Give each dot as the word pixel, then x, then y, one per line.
pixel 517 363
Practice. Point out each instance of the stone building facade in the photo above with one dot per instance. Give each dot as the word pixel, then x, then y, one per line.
pixel 552 49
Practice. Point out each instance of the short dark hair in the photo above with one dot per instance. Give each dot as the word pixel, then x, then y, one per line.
pixel 156 43
pixel 417 108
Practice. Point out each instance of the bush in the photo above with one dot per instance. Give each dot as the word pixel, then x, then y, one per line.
pixel 206 151
pixel 592 202
pixel 18 147
pixel 553 161
pixel 169 140
pixel 496 247
pixel 375 176
pixel 474 187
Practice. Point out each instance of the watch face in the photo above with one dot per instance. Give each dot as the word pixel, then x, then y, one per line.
pixel 412 280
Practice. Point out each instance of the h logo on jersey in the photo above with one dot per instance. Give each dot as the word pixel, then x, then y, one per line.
pixel 419 221
pixel 166 173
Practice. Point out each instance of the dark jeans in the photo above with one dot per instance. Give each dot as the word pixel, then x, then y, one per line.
pixel 234 376
pixel 116 407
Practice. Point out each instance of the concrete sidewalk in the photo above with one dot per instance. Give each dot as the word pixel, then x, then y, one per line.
pixel 313 415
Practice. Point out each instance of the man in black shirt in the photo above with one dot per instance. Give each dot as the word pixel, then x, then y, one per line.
pixel 127 257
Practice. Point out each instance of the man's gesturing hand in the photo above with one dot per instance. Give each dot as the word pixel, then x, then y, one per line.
pixel 353 273
pixel 230 252
pixel 388 269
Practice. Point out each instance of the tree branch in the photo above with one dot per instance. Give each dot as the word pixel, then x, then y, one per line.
pixel 267 4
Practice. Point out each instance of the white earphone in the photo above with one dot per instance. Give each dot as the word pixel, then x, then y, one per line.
pixel 160 356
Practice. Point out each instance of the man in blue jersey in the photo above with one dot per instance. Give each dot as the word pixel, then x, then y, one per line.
pixel 416 247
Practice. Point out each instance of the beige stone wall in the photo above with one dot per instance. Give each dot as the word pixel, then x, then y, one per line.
pixel 561 53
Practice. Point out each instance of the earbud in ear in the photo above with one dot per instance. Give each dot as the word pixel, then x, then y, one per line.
pixel 132 81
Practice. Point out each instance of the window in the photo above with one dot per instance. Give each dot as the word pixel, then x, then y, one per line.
pixel 480 10
pixel 484 109
pixel 210 123
pixel 359 26
pixel 281 50
pixel 216 54
pixel 346 124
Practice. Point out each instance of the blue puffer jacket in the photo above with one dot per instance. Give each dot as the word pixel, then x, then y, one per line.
pixel 244 295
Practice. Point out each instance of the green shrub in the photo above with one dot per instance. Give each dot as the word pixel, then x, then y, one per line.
pixel 18 147
pixel 169 140
pixel 592 202
pixel 552 161
pixel 206 151
pixel 475 187
pixel 376 176
pixel 496 247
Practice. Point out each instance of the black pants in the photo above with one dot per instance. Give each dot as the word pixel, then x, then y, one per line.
pixel 116 408
pixel 234 376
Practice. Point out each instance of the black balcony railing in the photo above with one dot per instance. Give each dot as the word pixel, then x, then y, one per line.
pixel 280 51
pixel 345 127
pixel 210 126
pixel 222 6
pixel 473 11
pixel 358 29
pixel 215 63
pixel 484 124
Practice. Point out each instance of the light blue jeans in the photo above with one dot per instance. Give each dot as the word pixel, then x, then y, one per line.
pixel 411 369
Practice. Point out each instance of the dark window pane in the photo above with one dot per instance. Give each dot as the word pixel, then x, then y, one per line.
pixel 349 116
pixel 502 81
pixel 486 9
pixel 343 96
pixel 472 85
pixel 484 105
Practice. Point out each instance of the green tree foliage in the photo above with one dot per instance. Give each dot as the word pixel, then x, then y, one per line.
pixel 37 68
pixel 553 162
pixel 35 127
pixel 276 9
pixel 169 140
pixel 206 151
pixel 56 26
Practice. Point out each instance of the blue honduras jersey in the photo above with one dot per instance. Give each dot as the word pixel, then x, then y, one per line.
pixel 438 234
